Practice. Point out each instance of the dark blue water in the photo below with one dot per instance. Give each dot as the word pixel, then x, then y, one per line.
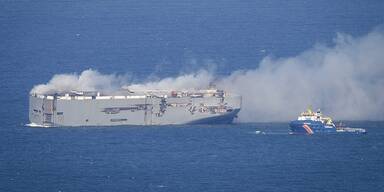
pixel 191 158
pixel 163 38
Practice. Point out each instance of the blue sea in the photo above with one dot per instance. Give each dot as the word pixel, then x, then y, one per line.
pixel 165 38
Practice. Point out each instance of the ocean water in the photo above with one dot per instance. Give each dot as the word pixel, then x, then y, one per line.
pixel 163 38
pixel 191 158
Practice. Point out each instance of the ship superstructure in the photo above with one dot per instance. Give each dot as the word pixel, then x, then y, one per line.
pixel 124 107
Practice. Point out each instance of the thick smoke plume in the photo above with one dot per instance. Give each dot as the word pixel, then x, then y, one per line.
pixel 88 80
pixel 345 80
pixel 198 80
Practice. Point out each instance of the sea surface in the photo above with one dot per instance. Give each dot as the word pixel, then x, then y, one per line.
pixel 239 157
pixel 165 38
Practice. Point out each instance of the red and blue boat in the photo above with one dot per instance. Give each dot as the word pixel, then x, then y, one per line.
pixel 310 122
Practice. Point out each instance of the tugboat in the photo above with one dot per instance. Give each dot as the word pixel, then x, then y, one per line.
pixel 310 123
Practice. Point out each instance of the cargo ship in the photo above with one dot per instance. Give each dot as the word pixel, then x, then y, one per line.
pixel 125 107
pixel 310 123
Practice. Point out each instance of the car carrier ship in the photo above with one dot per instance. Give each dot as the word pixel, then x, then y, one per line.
pixel 310 123
pixel 124 107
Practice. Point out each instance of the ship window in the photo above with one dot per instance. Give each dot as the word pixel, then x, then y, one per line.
pixel 35 110
pixel 59 113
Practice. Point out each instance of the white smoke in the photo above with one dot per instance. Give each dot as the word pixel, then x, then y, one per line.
pixel 92 80
pixel 345 80
pixel 88 80
pixel 198 80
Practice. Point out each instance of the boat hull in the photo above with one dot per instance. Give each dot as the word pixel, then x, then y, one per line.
pixel 146 110
pixel 310 127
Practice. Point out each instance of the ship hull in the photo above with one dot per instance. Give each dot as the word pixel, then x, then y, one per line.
pixel 310 127
pixel 53 112
pixel 221 119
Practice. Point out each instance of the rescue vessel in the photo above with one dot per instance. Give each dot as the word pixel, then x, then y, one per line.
pixel 310 122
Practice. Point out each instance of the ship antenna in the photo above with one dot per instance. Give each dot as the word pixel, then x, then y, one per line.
pixel 309 109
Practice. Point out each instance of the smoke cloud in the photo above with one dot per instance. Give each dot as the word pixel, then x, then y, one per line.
pixel 88 80
pixel 345 80
pixel 198 80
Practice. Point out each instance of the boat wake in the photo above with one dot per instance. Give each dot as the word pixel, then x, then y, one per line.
pixel 257 132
